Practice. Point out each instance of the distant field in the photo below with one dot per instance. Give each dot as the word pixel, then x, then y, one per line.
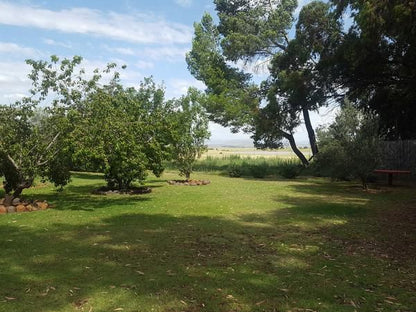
pixel 253 152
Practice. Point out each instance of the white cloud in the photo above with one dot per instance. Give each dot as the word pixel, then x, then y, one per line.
pixel 167 53
pixel 144 65
pixel 57 43
pixel 138 28
pixel 184 3
pixel 179 87
pixel 13 81
pixel 124 51
pixel 13 48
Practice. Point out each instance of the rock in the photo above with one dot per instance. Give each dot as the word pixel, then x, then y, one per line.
pixel 29 207
pixel 20 208
pixel 205 182
pixel 11 209
pixel 7 200
pixel 3 209
pixel 16 201
pixel 2 201
pixel 42 205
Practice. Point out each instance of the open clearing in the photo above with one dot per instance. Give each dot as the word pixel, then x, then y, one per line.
pixel 233 245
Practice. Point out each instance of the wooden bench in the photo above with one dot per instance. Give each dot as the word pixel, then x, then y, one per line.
pixel 391 173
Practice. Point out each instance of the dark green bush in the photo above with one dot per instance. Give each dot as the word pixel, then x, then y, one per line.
pixel 259 171
pixel 290 170
pixel 235 171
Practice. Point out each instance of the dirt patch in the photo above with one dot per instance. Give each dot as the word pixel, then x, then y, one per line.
pixel 131 191
pixel 189 182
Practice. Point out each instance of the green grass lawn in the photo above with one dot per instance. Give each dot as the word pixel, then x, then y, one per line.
pixel 234 245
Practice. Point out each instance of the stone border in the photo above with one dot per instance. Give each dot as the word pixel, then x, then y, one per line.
pixel 189 182
pixel 19 205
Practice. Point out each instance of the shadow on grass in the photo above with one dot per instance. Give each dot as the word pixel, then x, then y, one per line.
pixel 279 261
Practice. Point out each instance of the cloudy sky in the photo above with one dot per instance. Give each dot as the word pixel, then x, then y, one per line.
pixel 150 37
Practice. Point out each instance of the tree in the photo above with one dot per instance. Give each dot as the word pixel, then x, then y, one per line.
pixel 34 137
pixel 258 31
pixel 350 147
pixel 376 61
pixel 125 132
pixel 192 131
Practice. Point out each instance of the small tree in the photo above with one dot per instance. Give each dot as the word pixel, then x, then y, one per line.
pixel 124 131
pixel 33 139
pixel 35 132
pixel 192 131
pixel 350 147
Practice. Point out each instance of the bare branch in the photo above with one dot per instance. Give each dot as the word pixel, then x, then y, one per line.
pixel 53 141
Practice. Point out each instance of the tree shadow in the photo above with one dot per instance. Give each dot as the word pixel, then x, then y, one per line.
pixel 295 258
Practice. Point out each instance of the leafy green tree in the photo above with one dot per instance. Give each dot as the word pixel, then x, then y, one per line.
pixel 376 61
pixel 192 131
pixel 34 135
pixel 350 147
pixel 126 132
pixel 252 32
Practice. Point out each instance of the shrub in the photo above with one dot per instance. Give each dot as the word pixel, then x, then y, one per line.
pixel 290 170
pixel 259 171
pixel 350 147
pixel 234 170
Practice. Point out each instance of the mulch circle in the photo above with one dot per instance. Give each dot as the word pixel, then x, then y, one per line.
pixel 131 191
pixel 189 182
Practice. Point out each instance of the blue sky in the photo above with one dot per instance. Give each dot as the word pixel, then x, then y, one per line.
pixel 150 37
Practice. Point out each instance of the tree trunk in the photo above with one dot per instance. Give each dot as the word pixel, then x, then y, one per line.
pixel 311 132
pixel 22 185
pixel 187 176
pixel 295 149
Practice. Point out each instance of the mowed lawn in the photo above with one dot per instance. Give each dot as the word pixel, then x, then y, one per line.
pixel 235 245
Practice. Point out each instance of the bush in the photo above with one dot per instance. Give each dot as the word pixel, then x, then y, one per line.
pixel 259 171
pixel 350 147
pixel 290 170
pixel 235 171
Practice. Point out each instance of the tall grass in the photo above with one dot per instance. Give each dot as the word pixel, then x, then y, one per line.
pixel 257 167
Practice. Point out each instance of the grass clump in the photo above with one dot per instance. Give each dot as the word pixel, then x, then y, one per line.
pixel 256 167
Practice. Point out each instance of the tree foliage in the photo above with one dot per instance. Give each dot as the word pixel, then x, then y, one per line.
pixel 191 132
pixel 350 146
pixel 129 131
pixel 376 61
pixel 257 32
pixel 33 136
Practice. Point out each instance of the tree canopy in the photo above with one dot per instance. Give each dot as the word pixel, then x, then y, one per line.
pixel 255 33
pixel 376 61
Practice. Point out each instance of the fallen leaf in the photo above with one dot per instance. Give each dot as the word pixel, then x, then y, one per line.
pixel 10 298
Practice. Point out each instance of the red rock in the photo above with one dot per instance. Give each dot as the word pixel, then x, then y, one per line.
pixel 20 208
pixel 42 205
pixel 3 209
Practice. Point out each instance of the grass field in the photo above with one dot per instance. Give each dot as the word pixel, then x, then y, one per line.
pixel 221 152
pixel 234 245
